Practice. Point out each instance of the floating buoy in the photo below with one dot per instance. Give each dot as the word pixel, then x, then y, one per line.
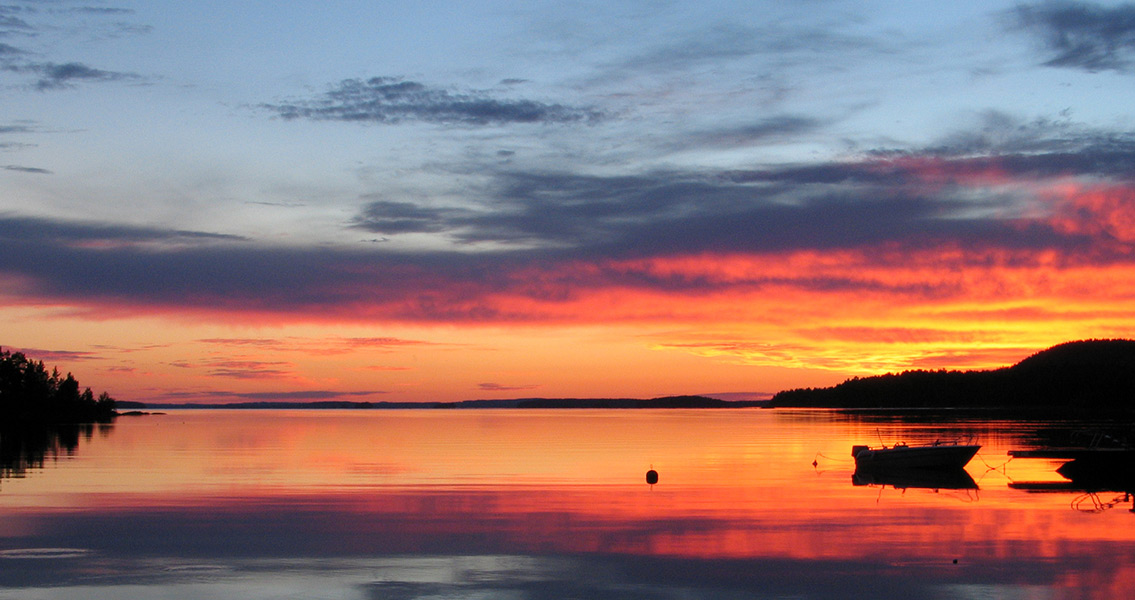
pixel 652 477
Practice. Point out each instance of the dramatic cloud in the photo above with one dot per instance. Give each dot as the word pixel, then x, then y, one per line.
pixel 918 199
pixel 876 262
pixel 392 100
pixel 722 182
pixel 898 249
pixel 1082 35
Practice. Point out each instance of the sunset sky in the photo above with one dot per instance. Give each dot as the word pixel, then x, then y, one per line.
pixel 404 201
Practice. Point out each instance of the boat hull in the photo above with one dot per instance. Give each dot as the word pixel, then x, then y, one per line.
pixel 916 457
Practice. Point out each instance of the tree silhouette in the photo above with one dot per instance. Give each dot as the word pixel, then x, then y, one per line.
pixel 31 395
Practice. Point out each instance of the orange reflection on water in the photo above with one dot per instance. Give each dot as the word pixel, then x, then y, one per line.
pixel 734 484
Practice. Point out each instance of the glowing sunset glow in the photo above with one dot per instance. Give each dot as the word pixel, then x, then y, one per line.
pixel 526 201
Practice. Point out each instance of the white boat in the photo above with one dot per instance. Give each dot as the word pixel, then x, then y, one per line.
pixel 928 456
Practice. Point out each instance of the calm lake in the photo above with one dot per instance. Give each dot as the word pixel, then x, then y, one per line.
pixel 543 504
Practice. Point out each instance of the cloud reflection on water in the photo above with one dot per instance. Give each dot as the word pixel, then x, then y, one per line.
pixel 537 504
pixel 473 544
pixel 525 577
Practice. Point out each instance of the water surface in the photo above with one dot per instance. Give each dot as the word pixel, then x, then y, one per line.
pixel 549 504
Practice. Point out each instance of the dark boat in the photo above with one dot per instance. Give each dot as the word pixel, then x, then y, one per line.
pixel 1095 467
pixel 1104 458
pixel 929 456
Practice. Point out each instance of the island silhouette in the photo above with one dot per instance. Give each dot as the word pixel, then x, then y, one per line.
pixel 1080 376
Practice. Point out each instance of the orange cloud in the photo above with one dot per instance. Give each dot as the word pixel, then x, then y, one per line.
pixel 1105 212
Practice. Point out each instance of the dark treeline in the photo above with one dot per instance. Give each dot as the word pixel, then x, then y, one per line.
pixel 30 395
pixel 1088 375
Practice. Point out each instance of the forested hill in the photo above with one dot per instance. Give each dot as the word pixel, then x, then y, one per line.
pixel 1085 375
pixel 30 395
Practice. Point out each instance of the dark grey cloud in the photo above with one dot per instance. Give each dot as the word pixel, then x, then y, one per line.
pixel 1082 35
pixel 16 129
pixel 322 283
pixel 997 132
pixel 765 131
pixel 20 230
pixel 62 76
pixel 392 100
pixel 1036 148
pixel 895 170
pixel 370 284
pixel 824 207
pixel 33 25
pixel 386 217
pixel 10 25
pixel 20 169
pixel 52 76
pixel 101 10
pixel 915 198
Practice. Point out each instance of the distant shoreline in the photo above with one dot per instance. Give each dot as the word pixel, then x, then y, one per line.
pixel 667 402
pixel 1087 376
